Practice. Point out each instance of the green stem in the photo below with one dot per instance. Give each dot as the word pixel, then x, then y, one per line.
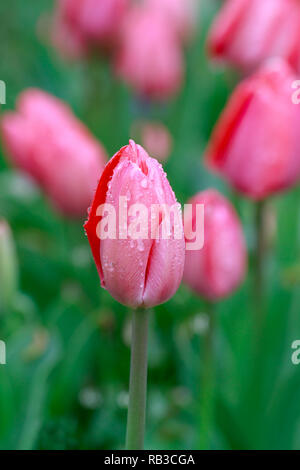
pixel 207 382
pixel 138 381
pixel 259 281
pixel 256 375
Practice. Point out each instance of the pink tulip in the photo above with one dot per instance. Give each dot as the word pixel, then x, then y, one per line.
pixel 68 42
pixel 155 138
pixel 246 32
pixel 44 139
pixel 219 267
pixel 255 144
pixel 181 14
pixel 150 56
pixel 136 271
pixel 81 25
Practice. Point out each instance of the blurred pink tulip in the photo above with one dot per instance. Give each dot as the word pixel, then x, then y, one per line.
pixel 181 14
pixel 155 138
pixel 81 25
pixel 246 32
pixel 255 144
pixel 68 42
pixel 150 56
pixel 144 271
pixel 45 139
pixel 219 267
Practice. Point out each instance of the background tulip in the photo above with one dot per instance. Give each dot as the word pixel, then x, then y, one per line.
pixel 182 14
pixel 44 139
pixel 246 32
pixel 154 137
pixel 143 272
pixel 150 56
pixel 213 272
pixel 81 25
pixel 254 145
pixel 69 42
pixel 219 267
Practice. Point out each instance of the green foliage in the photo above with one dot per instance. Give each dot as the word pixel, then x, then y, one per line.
pixel 66 379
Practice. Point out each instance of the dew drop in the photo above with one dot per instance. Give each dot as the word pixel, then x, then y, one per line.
pixel 141 245
pixel 144 183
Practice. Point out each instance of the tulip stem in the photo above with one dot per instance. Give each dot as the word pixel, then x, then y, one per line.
pixel 259 281
pixel 207 381
pixel 138 381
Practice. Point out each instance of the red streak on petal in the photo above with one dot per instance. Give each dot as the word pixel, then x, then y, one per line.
pixel 227 125
pixel 100 197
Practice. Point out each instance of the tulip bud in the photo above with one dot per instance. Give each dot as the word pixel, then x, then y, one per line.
pixel 150 57
pixel 44 139
pixel 137 263
pixel 81 26
pixel 155 138
pixel 70 44
pixel 255 144
pixel 246 32
pixel 219 267
pixel 181 14
pixel 8 267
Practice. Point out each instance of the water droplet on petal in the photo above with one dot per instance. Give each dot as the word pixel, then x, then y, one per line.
pixel 144 183
pixel 141 245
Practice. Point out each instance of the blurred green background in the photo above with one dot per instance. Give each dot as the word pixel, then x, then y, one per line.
pixel 66 379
